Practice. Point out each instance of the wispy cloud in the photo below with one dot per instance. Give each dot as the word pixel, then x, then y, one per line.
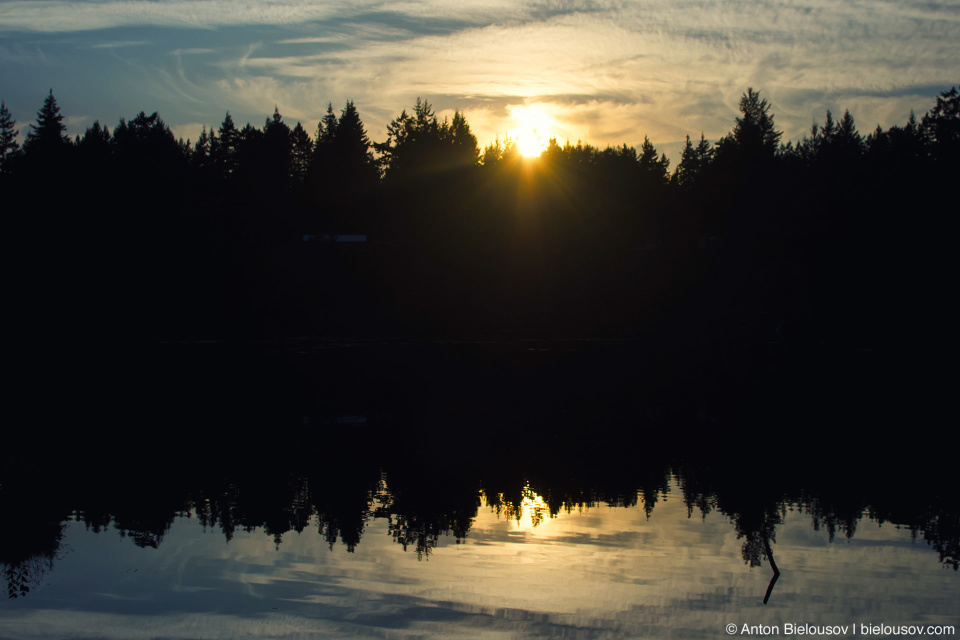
pixel 118 44
pixel 66 16
pixel 73 15
pixel 609 71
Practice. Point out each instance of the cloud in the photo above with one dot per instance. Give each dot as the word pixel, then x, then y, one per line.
pixel 73 15
pixel 611 71
pixel 119 43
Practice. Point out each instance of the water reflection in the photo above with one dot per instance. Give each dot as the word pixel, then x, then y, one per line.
pixel 419 513
pixel 584 571
pixel 552 496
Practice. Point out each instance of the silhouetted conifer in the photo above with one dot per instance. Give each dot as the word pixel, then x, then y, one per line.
pixel 9 147
pixel 223 148
pixel 96 138
pixel 420 145
pixel 941 126
pixel 200 158
pixel 302 151
pixel 324 159
pixel 401 135
pixel 94 151
pixel 465 149
pixel 654 169
pixel 754 137
pixel 323 151
pixel 829 128
pixel 353 148
pixel 276 155
pixel 49 134
pixel 693 162
pixel 847 131
pixel 343 173
pixel 497 152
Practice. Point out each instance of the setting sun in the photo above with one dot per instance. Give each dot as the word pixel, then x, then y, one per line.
pixel 532 133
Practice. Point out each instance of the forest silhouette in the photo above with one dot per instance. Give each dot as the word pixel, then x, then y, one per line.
pixel 838 238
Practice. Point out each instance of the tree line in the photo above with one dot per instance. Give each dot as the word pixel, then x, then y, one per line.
pixel 836 236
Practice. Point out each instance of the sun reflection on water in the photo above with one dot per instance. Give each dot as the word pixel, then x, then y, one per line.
pixel 531 512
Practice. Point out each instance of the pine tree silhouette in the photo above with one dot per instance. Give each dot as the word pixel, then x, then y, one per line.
pixel 49 134
pixel 9 147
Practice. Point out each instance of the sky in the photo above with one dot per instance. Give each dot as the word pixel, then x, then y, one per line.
pixel 607 72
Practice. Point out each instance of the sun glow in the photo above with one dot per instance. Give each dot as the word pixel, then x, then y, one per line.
pixel 531 513
pixel 533 131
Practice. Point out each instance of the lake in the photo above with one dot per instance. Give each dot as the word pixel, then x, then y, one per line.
pixel 453 490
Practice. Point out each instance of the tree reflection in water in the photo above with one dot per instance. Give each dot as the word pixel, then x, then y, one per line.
pixel 262 443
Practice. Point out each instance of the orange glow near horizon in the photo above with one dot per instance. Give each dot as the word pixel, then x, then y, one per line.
pixel 532 132
pixel 530 513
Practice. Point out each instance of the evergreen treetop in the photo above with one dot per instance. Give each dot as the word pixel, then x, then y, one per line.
pixel 754 135
pixel 9 146
pixel 49 133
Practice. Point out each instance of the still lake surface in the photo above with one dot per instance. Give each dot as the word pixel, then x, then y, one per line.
pixel 341 492
pixel 593 573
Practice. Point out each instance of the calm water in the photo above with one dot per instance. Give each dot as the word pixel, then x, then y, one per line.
pixel 593 572
pixel 295 498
